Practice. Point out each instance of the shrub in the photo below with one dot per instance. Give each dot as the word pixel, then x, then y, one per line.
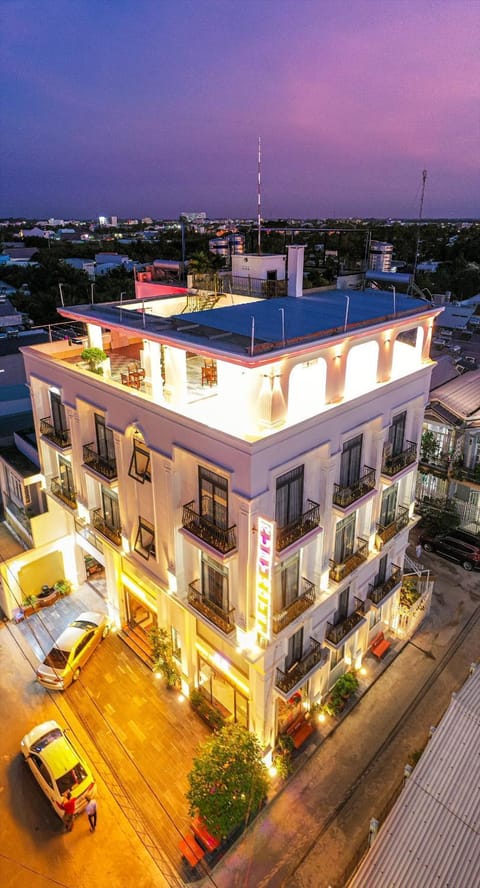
pixel 94 357
pixel 209 713
pixel 63 587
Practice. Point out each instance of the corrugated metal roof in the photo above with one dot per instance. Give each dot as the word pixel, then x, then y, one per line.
pixel 431 836
pixel 461 396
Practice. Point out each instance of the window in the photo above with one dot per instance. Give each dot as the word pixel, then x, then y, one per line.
pixel 389 503
pixel 66 476
pixel 58 413
pixel 145 539
pixel 396 433
pixel 213 496
pixel 374 617
pixel 382 571
pixel 289 580
pixel 105 445
pixel 15 488
pixel 350 461
pixel 289 497
pixel 342 610
pixel 42 769
pixel 344 538
pixel 337 656
pixel 176 644
pixel 295 649
pixel 215 582
pixel 140 462
pixel 111 512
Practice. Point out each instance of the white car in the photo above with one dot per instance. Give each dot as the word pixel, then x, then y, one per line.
pixel 57 766
pixel 72 649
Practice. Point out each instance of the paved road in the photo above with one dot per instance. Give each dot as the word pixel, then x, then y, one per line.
pixel 307 837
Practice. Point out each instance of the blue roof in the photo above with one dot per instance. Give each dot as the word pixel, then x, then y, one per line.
pixel 304 317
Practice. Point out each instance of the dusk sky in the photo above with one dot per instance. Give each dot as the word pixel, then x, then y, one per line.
pixel 154 107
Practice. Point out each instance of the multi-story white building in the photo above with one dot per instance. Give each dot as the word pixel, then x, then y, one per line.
pixel 246 474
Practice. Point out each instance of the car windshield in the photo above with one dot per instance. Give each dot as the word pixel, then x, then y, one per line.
pixel 84 624
pixel 72 778
pixel 57 659
pixel 43 741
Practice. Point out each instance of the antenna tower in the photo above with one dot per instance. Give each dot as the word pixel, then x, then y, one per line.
pixel 417 245
pixel 424 180
pixel 259 214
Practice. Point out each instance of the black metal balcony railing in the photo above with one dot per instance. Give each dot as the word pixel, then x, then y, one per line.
pixel 386 532
pixel 64 493
pixel 379 589
pixel 437 465
pixel 222 539
pixel 345 496
pixel 85 530
pixel 60 437
pixel 464 474
pixel 222 619
pixel 341 569
pixel 300 527
pixel 104 465
pixel 317 655
pixel 391 464
pixel 114 534
pixel 18 512
pixel 293 610
pixel 337 632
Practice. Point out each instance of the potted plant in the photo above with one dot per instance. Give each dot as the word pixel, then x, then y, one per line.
pixel 162 652
pixel 29 605
pixel 429 446
pixel 47 596
pixel 94 357
pixel 63 587
pixel 213 718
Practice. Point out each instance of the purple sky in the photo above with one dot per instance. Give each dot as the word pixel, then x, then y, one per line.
pixel 154 107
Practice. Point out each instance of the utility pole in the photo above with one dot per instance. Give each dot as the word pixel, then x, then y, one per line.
pixel 259 214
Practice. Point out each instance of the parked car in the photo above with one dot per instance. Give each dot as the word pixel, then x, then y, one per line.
pixel 72 649
pixel 57 766
pixel 459 545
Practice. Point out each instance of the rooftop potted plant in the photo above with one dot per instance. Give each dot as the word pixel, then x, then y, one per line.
pixel 94 358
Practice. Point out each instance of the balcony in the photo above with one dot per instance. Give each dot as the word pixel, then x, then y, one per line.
pixel 386 532
pixel 316 656
pixel 392 464
pixel 337 633
pixel 438 465
pixel 345 496
pixel 461 473
pixel 379 591
pixel 222 619
pixel 85 531
pixel 63 493
pixel 103 465
pixel 60 437
pixel 222 539
pixel 341 569
pixel 19 513
pixel 293 610
pixel 294 531
pixel 113 534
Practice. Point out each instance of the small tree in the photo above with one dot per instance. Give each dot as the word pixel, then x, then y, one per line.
pixel 228 781
pixel 94 357
pixel 429 446
pixel 162 651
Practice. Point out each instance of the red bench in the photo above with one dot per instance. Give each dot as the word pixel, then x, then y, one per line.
pixel 191 850
pixel 200 831
pixel 379 646
pixel 299 730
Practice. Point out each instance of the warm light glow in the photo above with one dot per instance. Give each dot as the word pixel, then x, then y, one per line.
pixel 321 717
pixel 272 771
pixel 363 671
pixel 157 674
pixel 265 557
pixel 216 660
pixel 181 698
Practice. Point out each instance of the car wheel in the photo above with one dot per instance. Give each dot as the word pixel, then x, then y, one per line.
pixel 427 547
pixel 76 674
pixel 467 565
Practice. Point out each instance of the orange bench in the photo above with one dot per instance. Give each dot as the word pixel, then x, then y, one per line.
pixel 379 646
pixel 191 850
pixel 200 831
pixel 299 730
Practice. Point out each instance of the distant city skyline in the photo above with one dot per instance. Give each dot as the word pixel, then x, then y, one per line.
pixel 141 109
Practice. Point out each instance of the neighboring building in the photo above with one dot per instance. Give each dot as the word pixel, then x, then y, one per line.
pixel 246 475
pixel 18 255
pixel 380 256
pixel 450 458
pixel 10 318
pixel 228 245
pixel 6 289
pixel 86 265
pixel 430 837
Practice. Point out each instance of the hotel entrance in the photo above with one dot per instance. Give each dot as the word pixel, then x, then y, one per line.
pixel 140 619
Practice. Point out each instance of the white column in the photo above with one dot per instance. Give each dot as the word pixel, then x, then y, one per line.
pixel 175 388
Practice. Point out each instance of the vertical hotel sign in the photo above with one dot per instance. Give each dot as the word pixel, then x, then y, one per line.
pixel 265 556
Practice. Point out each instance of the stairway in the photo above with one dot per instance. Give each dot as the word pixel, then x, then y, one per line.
pixel 138 641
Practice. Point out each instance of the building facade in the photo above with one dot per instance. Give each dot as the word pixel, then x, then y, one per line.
pixel 380 256
pixel 246 475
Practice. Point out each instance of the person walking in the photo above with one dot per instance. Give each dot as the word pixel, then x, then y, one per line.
pixel 69 809
pixel 91 810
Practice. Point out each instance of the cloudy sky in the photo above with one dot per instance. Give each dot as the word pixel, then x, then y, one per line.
pixel 154 107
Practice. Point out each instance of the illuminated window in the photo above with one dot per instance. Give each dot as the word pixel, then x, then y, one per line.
pixel 350 461
pixel 215 582
pixel 396 433
pixel 295 649
pixel 344 538
pixel 176 644
pixel 337 656
pixel 145 539
pixel 289 497
pixel 140 462
pixel 213 495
